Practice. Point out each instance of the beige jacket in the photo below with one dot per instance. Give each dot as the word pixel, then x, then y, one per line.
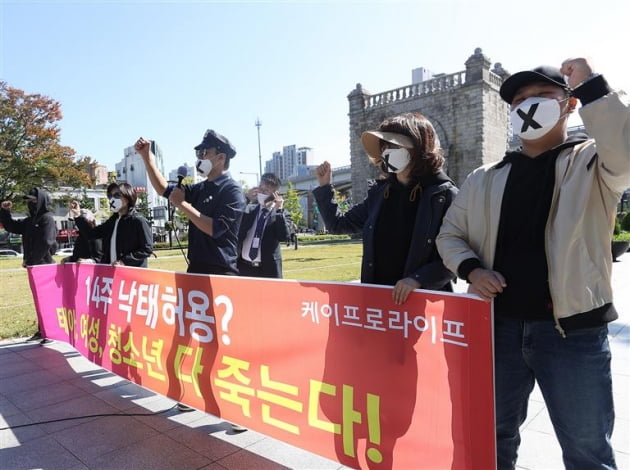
pixel 581 217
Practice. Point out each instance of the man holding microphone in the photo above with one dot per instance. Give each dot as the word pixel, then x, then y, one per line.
pixel 214 206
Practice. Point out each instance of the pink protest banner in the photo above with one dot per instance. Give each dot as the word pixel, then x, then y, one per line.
pixel 333 368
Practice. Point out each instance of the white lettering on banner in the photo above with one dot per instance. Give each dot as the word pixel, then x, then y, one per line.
pixel 173 308
pixel 191 309
pixel 200 328
pixel 451 332
pixel 100 291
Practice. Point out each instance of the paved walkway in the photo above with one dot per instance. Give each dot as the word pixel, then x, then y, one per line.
pixel 53 382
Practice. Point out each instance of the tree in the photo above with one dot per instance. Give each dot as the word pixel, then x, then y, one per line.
pixel 343 204
pixel 245 186
pixel 30 152
pixel 142 206
pixel 292 205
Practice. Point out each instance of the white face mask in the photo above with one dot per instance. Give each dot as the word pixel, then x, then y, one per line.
pixel 262 198
pixel 535 117
pixel 115 204
pixel 396 160
pixel 204 167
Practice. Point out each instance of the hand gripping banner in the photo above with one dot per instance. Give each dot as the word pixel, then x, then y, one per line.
pixel 337 369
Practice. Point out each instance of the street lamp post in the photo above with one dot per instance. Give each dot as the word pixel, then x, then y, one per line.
pixel 170 219
pixel 258 124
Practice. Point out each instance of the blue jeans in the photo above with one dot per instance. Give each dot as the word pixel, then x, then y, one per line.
pixel 574 376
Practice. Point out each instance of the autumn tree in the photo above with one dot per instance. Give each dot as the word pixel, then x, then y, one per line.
pixel 30 152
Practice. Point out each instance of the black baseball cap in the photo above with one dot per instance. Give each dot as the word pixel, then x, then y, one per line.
pixel 543 73
pixel 218 141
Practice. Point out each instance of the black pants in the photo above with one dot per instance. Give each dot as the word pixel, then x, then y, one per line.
pixel 202 268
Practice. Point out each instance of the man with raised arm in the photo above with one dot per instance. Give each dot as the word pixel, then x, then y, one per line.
pixel 532 233
pixel 214 206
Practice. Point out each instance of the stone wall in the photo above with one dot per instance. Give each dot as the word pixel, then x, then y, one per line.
pixel 465 108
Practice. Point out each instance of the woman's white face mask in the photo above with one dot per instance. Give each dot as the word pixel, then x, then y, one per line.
pixel 535 117
pixel 115 204
pixel 396 160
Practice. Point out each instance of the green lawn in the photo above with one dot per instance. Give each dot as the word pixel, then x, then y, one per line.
pixel 336 262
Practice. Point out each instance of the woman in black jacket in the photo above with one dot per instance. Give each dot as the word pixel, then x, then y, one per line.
pixel 400 219
pixel 127 238
pixel 402 213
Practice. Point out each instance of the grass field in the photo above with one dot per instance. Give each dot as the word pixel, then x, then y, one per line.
pixel 335 262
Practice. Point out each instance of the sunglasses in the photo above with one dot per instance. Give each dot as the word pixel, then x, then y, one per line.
pixel 115 195
pixel 200 153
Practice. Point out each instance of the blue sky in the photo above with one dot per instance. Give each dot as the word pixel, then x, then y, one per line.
pixel 170 70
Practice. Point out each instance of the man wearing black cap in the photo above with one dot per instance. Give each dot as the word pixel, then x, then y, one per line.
pixel 38 230
pixel 214 206
pixel 532 233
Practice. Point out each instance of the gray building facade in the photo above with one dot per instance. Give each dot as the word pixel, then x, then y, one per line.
pixel 471 119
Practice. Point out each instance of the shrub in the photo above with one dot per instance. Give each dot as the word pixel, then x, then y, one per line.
pixel 622 237
pixel 327 238
pixel 625 222
pixel 167 246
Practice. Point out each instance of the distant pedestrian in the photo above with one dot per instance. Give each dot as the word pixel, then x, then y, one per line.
pixel 293 239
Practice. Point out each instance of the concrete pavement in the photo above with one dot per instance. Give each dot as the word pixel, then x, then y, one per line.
pixel 53 382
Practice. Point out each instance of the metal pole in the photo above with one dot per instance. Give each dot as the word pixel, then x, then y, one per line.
pixel 170 223
pixel 170 218
pixel 258 124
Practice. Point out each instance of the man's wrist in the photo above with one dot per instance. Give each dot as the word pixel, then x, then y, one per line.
pixel 466 267
pixel 591 89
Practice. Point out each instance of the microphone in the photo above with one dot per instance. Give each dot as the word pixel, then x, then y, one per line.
pixel 182 172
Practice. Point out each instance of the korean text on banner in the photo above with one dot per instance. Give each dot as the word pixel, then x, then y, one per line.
pixel 333 368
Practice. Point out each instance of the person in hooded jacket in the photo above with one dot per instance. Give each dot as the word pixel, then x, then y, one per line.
pixel 38 230
pixel 402 212
pixel 127 237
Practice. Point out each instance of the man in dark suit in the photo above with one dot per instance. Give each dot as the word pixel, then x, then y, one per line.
pixel 264 225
